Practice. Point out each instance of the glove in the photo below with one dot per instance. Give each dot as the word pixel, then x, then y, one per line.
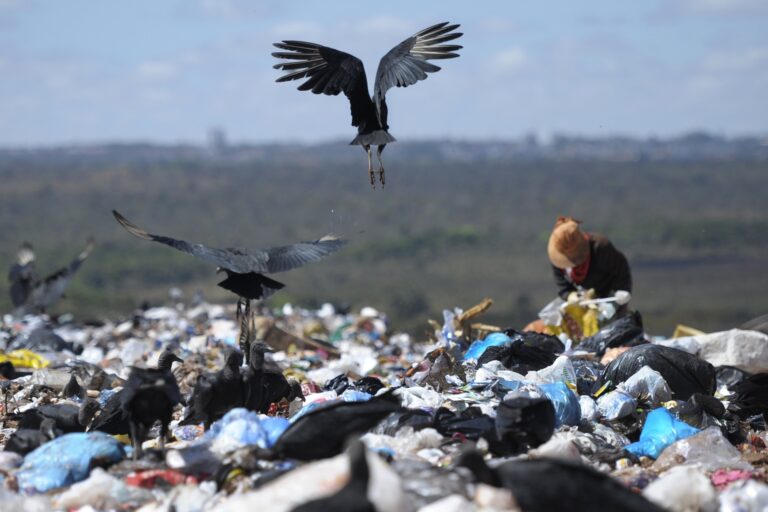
pixel 573 298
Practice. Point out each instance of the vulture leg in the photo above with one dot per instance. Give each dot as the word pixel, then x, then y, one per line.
pixel 381 163
pixel 367 149
pixel 244 314
pixel 135 440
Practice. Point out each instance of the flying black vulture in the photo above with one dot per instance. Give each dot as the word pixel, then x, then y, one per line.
pixel 32 295
pixel 214 395
pixel 149 396
pixel 331 72
pixel 245 268
pixel 353 497
pixel 556 484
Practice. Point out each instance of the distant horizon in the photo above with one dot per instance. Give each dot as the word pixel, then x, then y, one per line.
pixel 543 139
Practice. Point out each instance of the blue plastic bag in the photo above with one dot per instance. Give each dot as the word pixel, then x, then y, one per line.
pixel 66 460
pixel 241 427
pixel 661 429
pixel 478 347
pixel 565 402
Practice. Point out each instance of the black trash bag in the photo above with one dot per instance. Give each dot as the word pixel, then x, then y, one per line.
pixel 729 376
pixel 518 357
pixel 701 411
pixel 522 423
pixel 339 384
pixel 587 373
pixel 535 339
pixel 750 396
pixel 470 423
pixel 322 432
pixel 417 419
pixel 684 373
pixel 627 331
pixel 370 385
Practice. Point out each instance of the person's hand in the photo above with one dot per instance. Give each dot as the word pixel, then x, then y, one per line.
pixel 573 298
pixel 590 294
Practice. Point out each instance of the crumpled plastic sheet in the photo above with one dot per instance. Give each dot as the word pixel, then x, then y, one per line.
pixel 708 450
pixel 67 459
pixel 616 404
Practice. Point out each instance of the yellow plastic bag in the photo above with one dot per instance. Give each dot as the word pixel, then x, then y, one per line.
pixel 578 323
pixel 24 358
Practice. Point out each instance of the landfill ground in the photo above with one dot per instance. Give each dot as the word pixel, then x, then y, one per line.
pixel 471 417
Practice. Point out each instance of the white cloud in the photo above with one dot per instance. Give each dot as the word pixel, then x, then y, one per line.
pixel 156 70
pixel 725 6
pixel 510 60
pixel 753 59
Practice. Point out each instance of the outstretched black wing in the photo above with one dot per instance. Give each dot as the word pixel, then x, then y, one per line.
pixel 329 72
pixel 243 261
pixel 406 63
pixel 46 292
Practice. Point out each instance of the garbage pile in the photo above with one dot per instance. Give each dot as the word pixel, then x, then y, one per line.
pixel 333 410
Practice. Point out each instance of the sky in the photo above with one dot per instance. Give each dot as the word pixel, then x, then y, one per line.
pixel 166 71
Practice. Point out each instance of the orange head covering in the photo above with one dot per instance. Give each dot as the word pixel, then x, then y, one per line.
pixel 568 245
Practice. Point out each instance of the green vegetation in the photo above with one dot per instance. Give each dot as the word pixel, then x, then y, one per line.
pixel 441 234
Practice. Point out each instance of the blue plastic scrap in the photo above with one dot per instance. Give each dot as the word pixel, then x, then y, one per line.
pixel 565 402
pixel 478 347
pixel 661 429
pixel 67 460
pixel 248 428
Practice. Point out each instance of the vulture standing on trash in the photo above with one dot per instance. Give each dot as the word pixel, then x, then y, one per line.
pixel 353 497
pixel 32 295
pixel 245 268
pixel 214 395
pixel 149 396
pixel 112 418
pixel 265 384
pixel 329 71
pixel 556 484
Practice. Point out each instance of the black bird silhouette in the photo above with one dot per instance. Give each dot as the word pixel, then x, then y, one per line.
pixel 112 419
pixel 265 384
pixel 67 417
pixel 22 274
pixel 329 71
pixel 32 295
pixel 321 433
pixel 353 497
pixel 24 440
pixel 245 268
pixel 149 396
pixel 555 484
pixel 214 395
pixel 73 388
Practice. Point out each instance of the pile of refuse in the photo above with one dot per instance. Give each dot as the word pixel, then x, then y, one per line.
pixel 351 415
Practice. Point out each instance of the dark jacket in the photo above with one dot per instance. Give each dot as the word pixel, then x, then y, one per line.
pixel 608 270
